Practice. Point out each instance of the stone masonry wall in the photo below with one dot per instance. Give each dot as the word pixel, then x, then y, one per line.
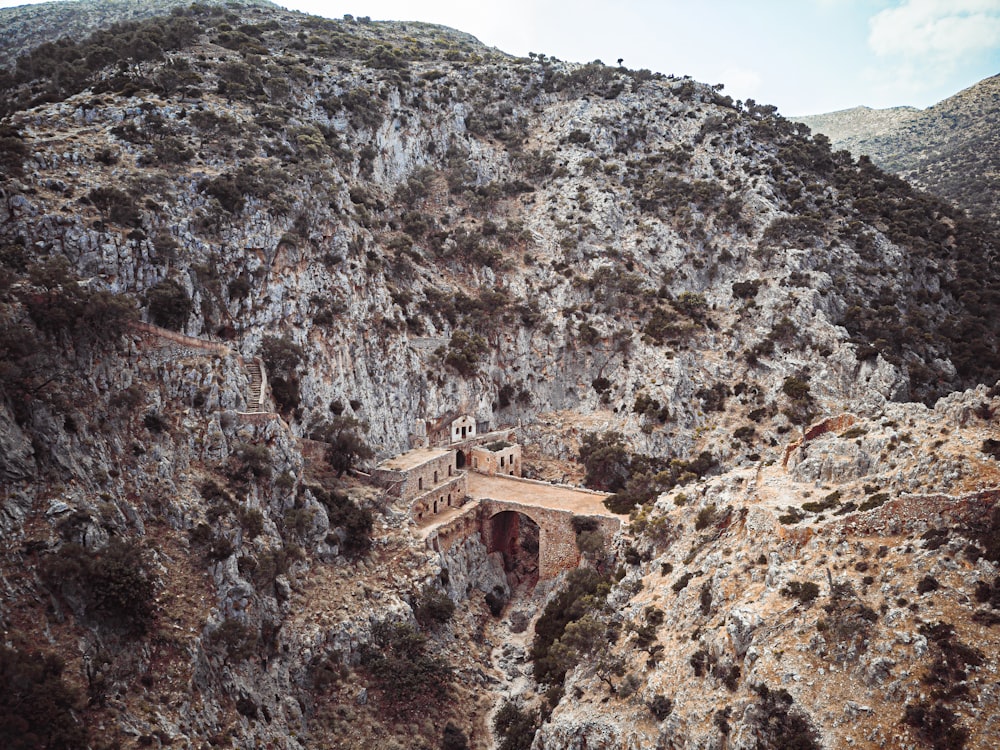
pixel 450 494
pixel 410 483
pixel 557 550
pixel 504 461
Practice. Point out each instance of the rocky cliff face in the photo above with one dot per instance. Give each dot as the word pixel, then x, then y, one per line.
pixel 404 224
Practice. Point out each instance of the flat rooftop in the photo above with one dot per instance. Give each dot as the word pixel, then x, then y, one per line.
pixel 412 459
pixel 526 492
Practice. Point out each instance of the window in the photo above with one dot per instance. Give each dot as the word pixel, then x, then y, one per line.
pixel 501 461
pixel 449 470
pixel 435 477
pixel 420 483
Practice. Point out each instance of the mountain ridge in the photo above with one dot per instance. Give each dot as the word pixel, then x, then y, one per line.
pixel 947 149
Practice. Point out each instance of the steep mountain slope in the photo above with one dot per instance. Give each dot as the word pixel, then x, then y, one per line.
pixel 26 27
pixel 403 224
pixel 949 149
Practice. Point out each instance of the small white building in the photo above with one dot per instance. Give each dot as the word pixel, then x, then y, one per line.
pixel 463 428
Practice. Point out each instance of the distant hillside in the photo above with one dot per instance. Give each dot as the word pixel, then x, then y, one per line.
pixel 847 128
pixel 950 149
pixel 26 26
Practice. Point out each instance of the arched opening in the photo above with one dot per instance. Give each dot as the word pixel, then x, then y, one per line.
pixel 517 537
pixel 460 460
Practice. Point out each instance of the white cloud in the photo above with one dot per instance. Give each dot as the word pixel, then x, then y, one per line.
pixel 938 31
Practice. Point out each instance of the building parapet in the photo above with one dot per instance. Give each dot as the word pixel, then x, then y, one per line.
pixel 450 494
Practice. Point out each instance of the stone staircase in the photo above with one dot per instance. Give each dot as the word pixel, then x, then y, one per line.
pixel 256 396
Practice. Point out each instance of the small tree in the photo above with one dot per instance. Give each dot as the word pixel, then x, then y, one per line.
pixel 283 358
pixel 606 460
pixel 454 738
pixel 345 445
pixel 433 607
pixel 36 705
pixel 169 305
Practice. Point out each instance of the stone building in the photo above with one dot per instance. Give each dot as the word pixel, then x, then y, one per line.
pixel 431 477
pixel 427 479
pixel 463 428
pixel 498 457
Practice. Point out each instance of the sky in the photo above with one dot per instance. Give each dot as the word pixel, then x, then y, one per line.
pixel 804 56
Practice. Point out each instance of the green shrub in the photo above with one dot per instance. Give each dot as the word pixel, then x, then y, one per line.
pixel 237 641
pixel 805 591
pixel 345 445
pixel 495 600
pixel 926 584
pixel 606 460
pixel 987 533
pixel 830 501
pixel 433 607
pixel 514 726
pixel 705 598
pixel 706 517
pixel 584 592
pixel 795 388
pixel 681 583
pixel 746 289
pixel 169 305
pixel 876 500
pixel 113 585
pixel 251 521
pixel 116 205
pixel 59 303
pixel 283 358
pixel 847 623
pixel 776 722
pixel 937 725
pixel 660 706
pixel 354 522
pixel 454 738
pixel 409 680
pixel 37 707
pixel 991 447
pixel 248 462
pixel 464 352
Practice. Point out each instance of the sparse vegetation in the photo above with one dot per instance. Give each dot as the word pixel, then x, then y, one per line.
pixel 805 591
pixel 410 681
pixel 38 708
pixel 113 587
pixel 584 593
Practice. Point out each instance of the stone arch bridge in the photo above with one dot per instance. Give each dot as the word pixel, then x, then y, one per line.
pixel 498 502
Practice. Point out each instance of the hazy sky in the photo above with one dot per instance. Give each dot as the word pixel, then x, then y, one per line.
pixel 805 56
